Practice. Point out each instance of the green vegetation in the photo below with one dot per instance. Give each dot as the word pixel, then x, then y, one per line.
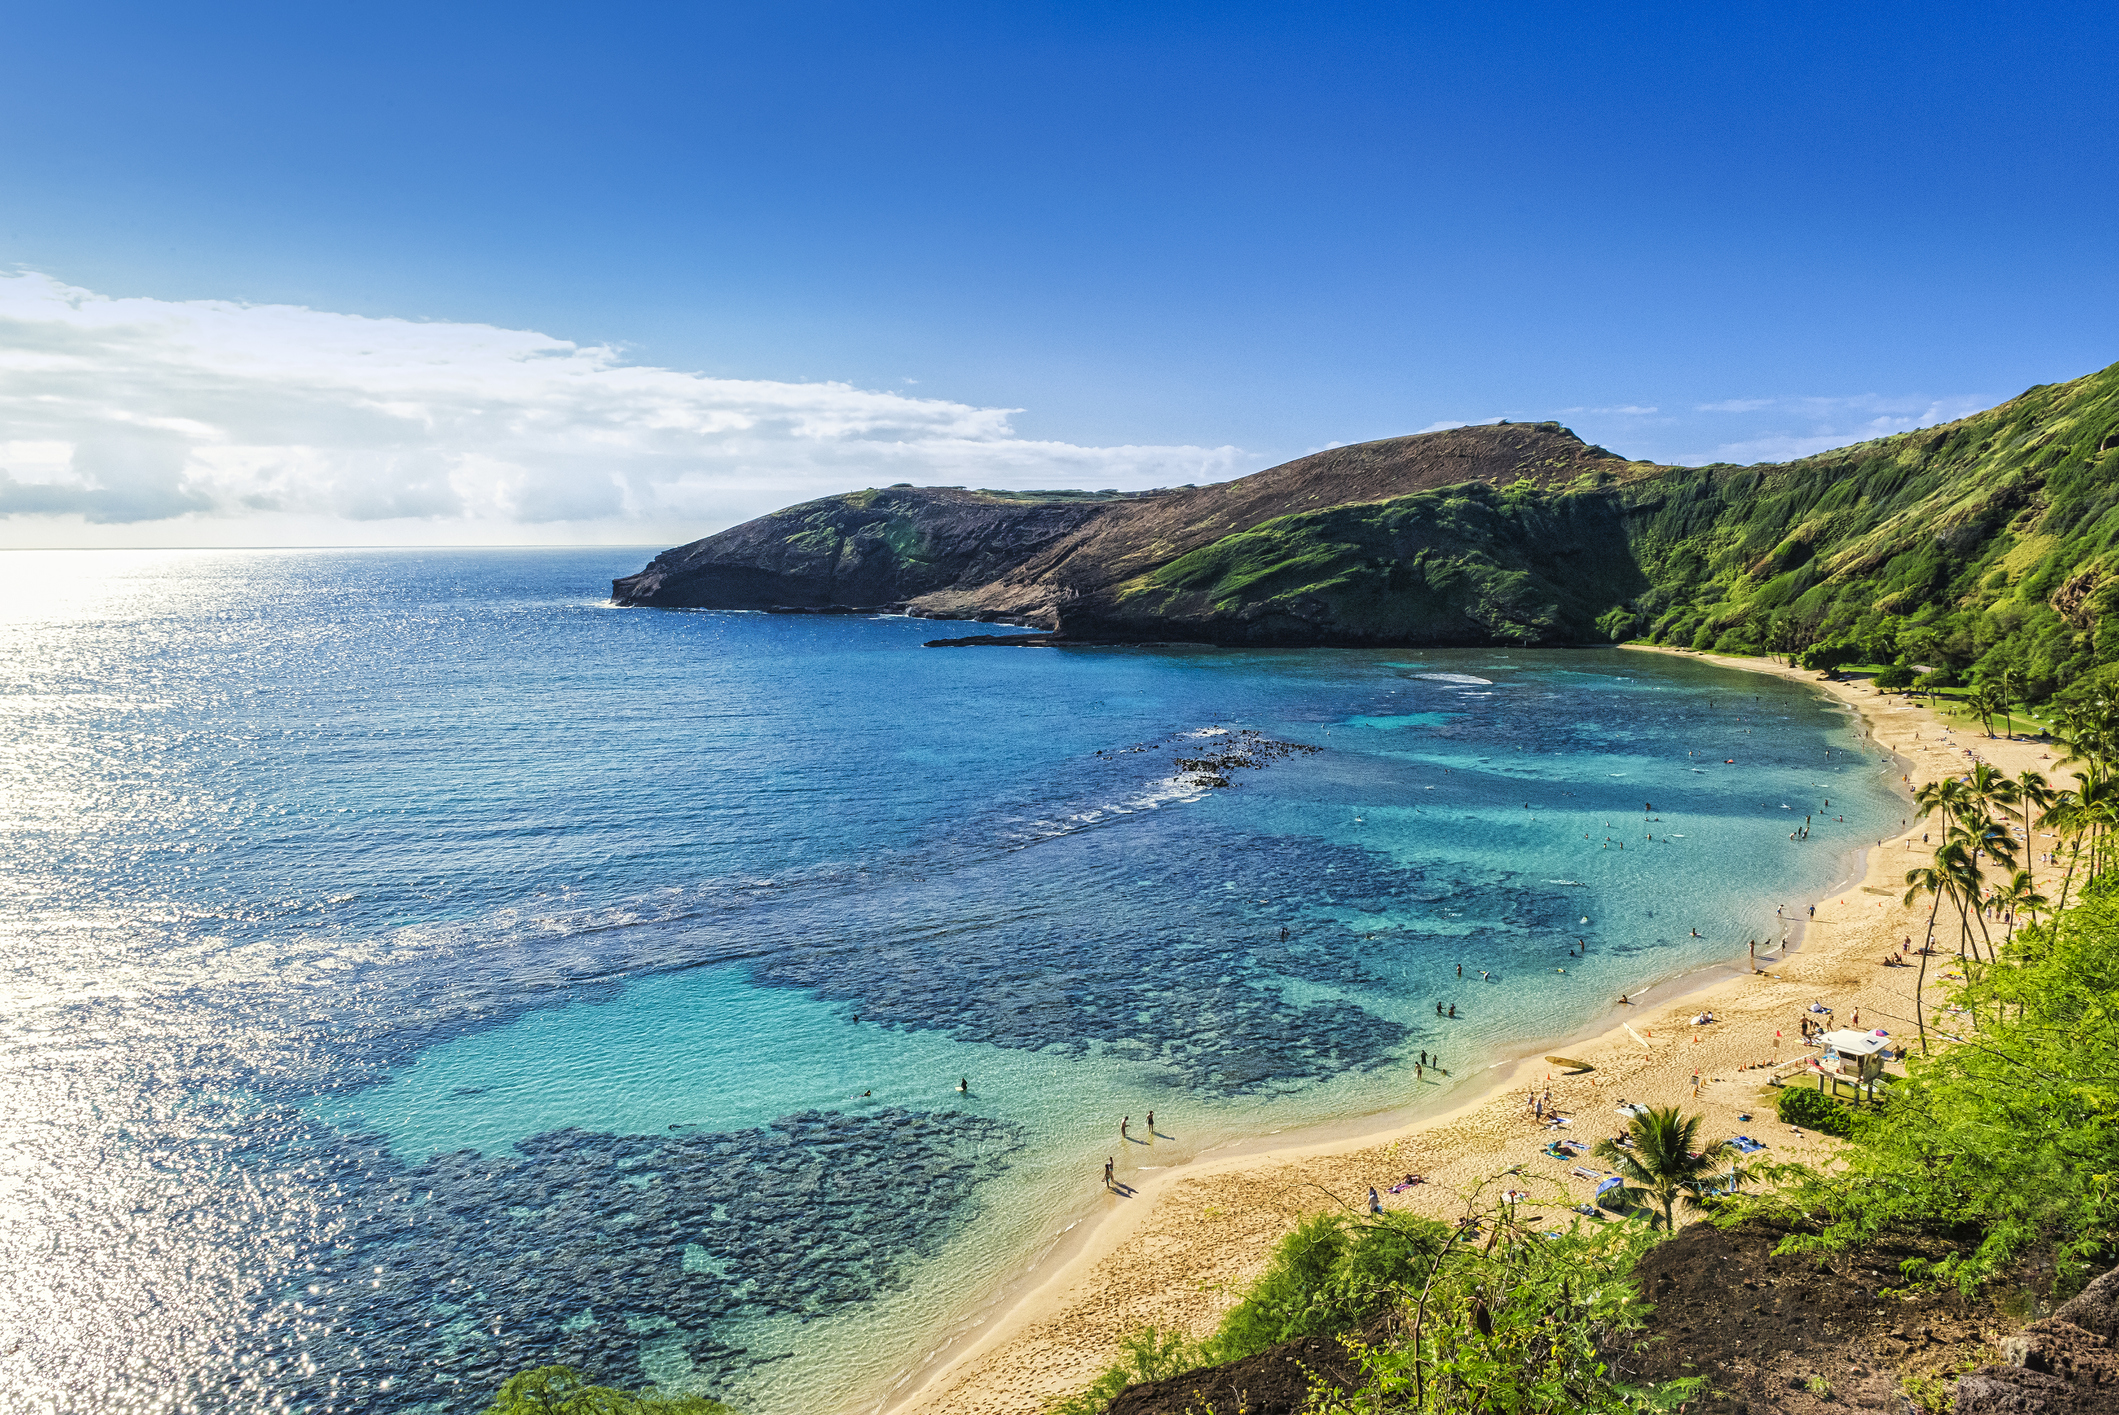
pixel 1986 549
pixel 1661 1164
pixel 2006 1142
pixel 1482 1315
pixel 561 1390
pixel 1467 563
pixel 1814 1110
pixel 1150 1354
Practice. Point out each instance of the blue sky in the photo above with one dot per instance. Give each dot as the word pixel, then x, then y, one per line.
pixel 1218 235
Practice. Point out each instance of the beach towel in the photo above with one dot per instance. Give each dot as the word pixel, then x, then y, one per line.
pixel 1748 1145
pixel 1580 1173
pixel 1404 1184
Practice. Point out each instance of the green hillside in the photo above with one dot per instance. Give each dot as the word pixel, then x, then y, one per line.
pixel 1986 545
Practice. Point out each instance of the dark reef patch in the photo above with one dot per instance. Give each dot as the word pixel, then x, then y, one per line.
pixel 434 1281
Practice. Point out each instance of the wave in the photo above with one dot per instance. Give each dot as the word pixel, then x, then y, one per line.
pixel 1456 678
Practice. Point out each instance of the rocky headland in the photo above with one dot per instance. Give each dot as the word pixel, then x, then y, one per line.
pixel 1992 541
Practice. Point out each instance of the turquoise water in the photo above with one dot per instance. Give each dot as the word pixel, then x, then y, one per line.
pixel 419 970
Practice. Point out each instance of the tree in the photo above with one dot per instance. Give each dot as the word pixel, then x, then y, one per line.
pixel 1897 676
pixel 562 1390
pixel 1663 1164
pixel 1937 879
pixel 2020 896
pixel 2032 790
pixel 1989 703
pixel 1948 798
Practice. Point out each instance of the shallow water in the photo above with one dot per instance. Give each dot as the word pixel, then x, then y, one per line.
pixel 419 970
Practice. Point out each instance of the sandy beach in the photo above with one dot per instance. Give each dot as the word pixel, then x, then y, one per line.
pixel 1178 1250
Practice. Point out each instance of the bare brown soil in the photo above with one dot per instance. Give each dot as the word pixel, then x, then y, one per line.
pixel 1799 1336
pixel 1277 1381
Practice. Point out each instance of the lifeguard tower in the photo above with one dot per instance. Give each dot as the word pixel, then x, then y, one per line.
pixel 1854 1060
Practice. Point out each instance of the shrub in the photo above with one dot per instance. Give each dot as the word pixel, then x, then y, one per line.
pixel 1150 1354
pixel 1814 1110
pixel 1895 677
pixel 1510 1321
pixel 1825 658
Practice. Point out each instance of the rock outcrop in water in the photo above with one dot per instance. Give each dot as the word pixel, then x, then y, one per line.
pixel 1992 540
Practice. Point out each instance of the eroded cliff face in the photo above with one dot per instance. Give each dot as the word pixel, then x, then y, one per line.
pixel 1988 543
pixel 867 549
pixel 1085 563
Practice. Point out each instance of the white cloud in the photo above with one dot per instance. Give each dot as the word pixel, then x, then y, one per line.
pixel 142 421
pixel 1629 410
pixel 1833 422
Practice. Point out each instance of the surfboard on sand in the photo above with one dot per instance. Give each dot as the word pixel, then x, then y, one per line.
pixel 1570 1063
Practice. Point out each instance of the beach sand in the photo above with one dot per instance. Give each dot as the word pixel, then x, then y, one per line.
pixel 1179 1250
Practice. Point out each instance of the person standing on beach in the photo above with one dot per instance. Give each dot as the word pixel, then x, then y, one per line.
pixel 1122 1127
pixel 1375 1201
pixel 1151 1124
pixel 1107 1174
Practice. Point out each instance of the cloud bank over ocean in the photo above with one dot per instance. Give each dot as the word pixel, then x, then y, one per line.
pixel 130 421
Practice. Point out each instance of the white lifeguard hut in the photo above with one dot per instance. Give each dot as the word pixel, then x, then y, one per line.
pixel 1853 1059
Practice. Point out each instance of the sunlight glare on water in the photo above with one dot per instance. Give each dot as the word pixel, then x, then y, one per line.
pixel 419 970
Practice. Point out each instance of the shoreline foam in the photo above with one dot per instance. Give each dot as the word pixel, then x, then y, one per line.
pixel 1181 1248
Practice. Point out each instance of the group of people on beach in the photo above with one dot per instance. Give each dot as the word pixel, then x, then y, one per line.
pixel 1125 1133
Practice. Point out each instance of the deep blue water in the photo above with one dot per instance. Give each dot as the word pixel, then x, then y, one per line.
pixel 418 970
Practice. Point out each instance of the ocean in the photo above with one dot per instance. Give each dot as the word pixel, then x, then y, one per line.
pixel 419 970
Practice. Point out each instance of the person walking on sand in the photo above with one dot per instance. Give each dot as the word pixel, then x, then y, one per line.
pixel 1122 1127
pixel 1108 1180
pixel 1375 1201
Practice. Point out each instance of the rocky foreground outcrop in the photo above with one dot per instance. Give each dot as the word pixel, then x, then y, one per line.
pixel 2065 1364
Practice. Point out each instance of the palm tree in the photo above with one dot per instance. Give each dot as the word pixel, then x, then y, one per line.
pixel 1946 798
pixel 2019 896
pixel 2032 789
pixel 2005 681
pixel 1664 1165
pixel 1937 879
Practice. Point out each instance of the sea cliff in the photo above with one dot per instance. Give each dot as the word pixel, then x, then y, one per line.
pixel 1989 546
